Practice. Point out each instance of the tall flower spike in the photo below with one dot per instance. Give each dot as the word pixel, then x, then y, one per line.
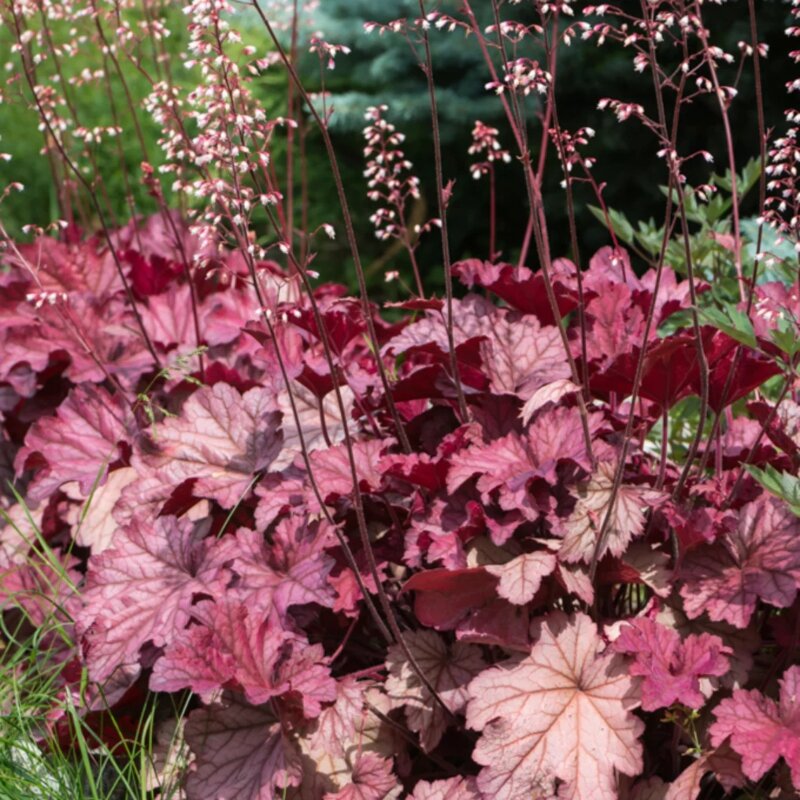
pixel 484 140
pixel 389 178
pixel 782 210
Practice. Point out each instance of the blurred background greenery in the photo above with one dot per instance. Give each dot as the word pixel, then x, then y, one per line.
pixel 382 69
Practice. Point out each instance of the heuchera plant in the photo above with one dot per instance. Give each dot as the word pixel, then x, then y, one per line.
pixel 221 548
pixel 449 548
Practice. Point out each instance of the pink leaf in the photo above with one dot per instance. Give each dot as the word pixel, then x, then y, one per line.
pixel 760 559
pixel 221 439
pixel 78 444
pixel 141 590
pixel 234 646
pixel 165 235
pixel 575 579
pixel 722 762
pixel 337 724
pixel 230 645
pixel 241 753
pixel 282 493
pixel 521 577
pixel 548 393
pixel 761 731
pixel 671 667
pixel 372 779
pixel 521 356
pixel 291 570
pixel 472 317
pixel 514 459
pixel 582 527
pixel 449 669
pixel 168 319
pixel 72 267
pixel 450 789
pixel 194 660
pixel 94 525
pixel 225 314
pixel 320 421
pixel 615 325
pixel 331 467
pixel 304 672
pixel 563 713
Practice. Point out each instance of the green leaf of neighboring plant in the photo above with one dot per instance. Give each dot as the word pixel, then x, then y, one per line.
pixel 784 335
pixel 649 237
pixel 744 182
pixel 731 321
pixel 782 484
pixel 619 223
pixel 785 267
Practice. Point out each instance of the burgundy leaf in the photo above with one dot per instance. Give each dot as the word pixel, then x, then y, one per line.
pixel 737 368
pixel 642 564
pixel 521 288
pixel 444 596
pixel 497 623
pixel 150 276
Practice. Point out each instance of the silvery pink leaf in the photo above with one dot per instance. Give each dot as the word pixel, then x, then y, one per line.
pixel 448 668
pixel 561 714
pixel 241 753
pixel 141 590
pixel 78 444
pixel 221 439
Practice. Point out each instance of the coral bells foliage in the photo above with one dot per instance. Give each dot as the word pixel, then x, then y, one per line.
pixel 502 609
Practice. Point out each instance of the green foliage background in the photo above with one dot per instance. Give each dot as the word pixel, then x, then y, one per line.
pixel 382 69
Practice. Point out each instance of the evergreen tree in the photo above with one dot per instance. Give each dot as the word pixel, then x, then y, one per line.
pixel 385 69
